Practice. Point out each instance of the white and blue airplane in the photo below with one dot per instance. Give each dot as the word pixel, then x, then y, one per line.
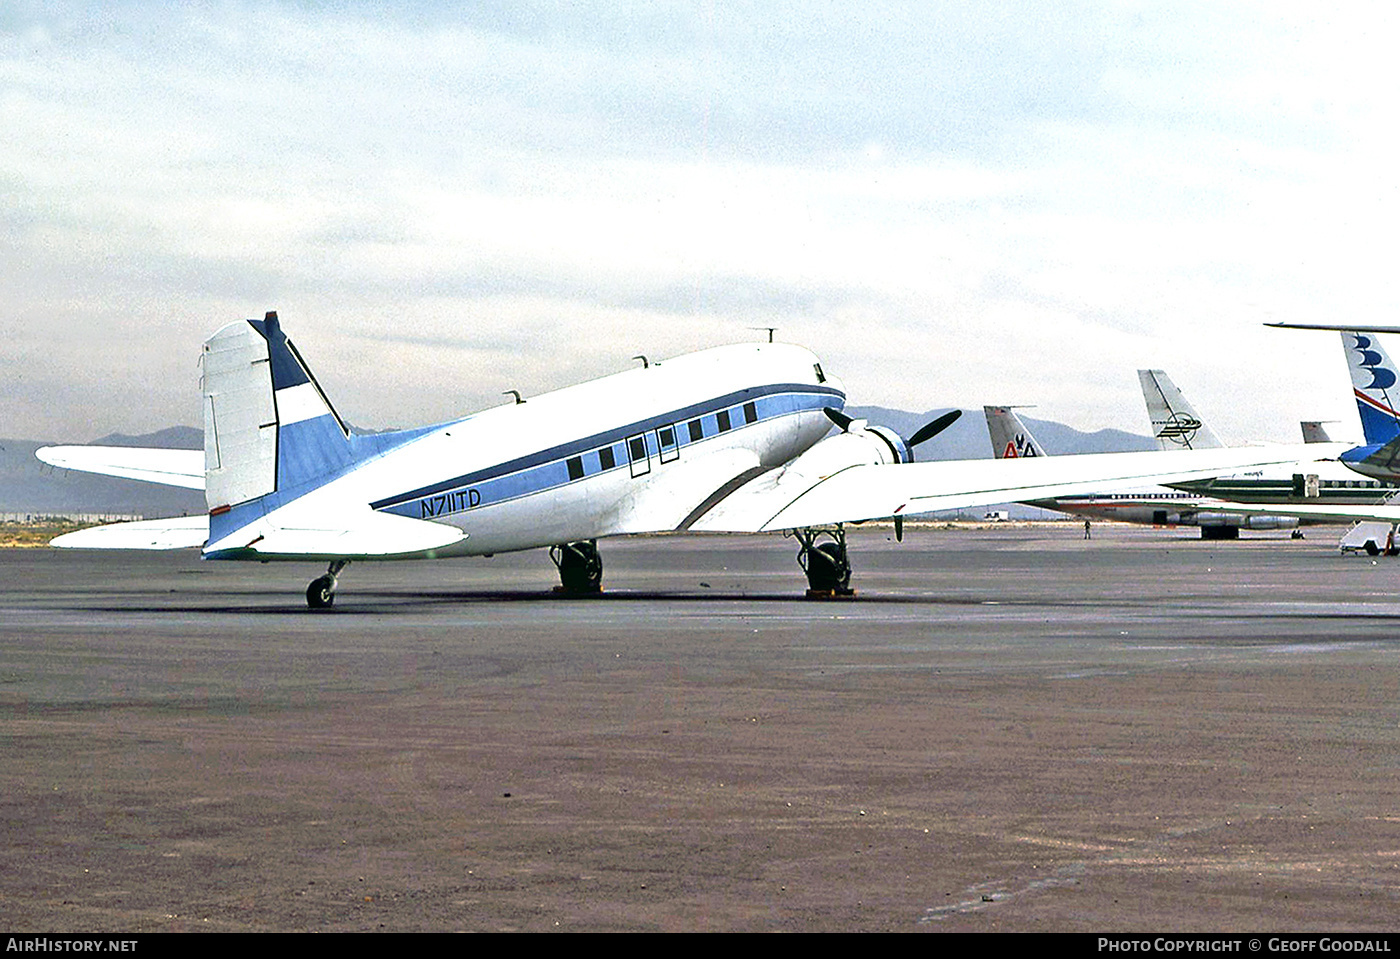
pixel 728 439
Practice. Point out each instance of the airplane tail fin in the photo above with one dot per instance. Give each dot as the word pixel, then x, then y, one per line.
pixel 267 425
pixel 1373 380
pixel 1314 432
pixel 1010 437
pixel 1174 421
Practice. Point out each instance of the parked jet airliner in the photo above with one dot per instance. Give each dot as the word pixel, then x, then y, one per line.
pixel 1374 385
pixel 1266 494
pixel 1374 379
pixel 727 439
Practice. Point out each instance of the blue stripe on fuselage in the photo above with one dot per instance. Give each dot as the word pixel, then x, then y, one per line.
pixel 548 468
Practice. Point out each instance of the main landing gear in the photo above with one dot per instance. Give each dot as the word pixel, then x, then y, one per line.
pixel 321 593
pixel 580 568
pixel 826 564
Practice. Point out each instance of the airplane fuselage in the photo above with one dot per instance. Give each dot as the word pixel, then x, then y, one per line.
pixel 1190 504
pixel 632 452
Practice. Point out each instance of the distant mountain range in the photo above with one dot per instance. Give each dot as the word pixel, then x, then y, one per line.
pixel 29 487
pixel 967 438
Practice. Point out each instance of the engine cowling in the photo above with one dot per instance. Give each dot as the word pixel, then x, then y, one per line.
pixel 858 445
pixel 1246 522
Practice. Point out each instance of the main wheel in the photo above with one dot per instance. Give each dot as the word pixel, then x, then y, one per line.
pixel 828 568
pixel 321 593
pixel 580 567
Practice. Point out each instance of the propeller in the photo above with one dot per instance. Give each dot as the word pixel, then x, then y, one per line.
pixel 933 428
pixel 839 418
pixel 922 435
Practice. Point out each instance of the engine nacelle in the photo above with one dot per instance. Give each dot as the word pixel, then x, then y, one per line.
pixel 1270 522
pixel 859 445
pixel 1246 522
pixel 898 450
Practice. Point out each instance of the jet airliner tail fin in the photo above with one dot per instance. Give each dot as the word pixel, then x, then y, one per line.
pixel 1314 432
pixel 1373 380
pixel 1175 423
pixel 1010 437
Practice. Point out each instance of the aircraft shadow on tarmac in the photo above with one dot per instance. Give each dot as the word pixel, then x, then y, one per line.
pixel 384 602
pixel 397 602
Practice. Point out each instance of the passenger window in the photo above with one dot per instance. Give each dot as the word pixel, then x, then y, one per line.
pixel 637 454
pixel 666 444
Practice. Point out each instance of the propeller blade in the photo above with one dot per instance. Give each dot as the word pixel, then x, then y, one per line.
pixel 929 430
pixel 839 418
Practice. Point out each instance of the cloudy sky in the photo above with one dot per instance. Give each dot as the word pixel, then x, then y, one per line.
pixel 954 204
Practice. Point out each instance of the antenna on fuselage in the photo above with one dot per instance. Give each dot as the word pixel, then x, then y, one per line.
pixel 515 393
pixel 770 329
pixel 645 363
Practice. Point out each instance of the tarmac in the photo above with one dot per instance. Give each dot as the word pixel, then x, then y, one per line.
pixel 1008 729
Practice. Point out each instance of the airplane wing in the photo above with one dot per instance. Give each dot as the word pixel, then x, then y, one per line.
pixel 169 467
pixel 789 498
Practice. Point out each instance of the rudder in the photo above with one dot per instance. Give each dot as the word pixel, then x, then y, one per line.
pixel 267 424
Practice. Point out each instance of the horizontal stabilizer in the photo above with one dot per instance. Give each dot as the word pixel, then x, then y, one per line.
pixel 369 535
pixel 182 532
pixel 183 468
pixel 1315 432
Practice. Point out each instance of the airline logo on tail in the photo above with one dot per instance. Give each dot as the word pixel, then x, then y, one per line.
pixel 1011 439
pixel 1372 377
pixel 1175 422
pixel 1019 447
pixel 1179 428
pixel 1373 362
